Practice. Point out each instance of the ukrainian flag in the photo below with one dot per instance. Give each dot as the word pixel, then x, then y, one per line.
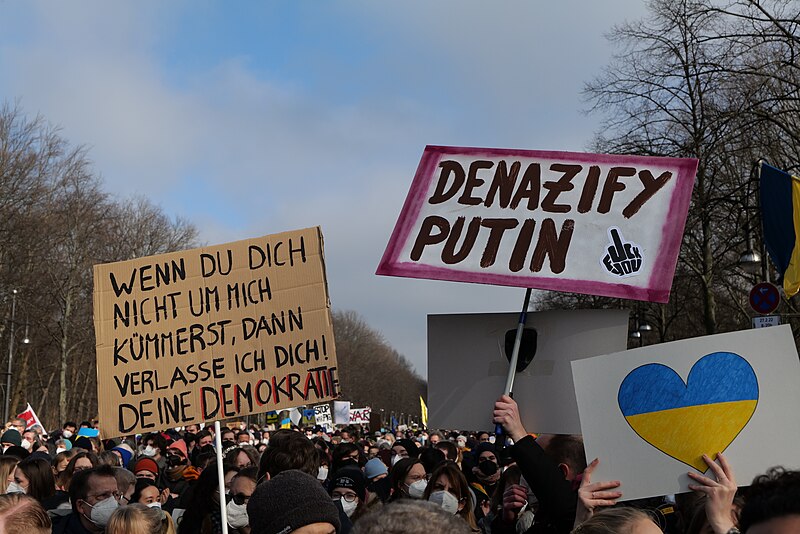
pixel 780 212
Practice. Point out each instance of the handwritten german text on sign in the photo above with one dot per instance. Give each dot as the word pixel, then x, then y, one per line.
pixel 213 333
pixel 588 223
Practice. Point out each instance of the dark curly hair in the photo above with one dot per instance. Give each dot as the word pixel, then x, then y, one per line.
pixel 287 450
pixel 774 494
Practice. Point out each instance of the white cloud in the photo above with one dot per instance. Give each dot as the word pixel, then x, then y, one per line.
pixel 244 152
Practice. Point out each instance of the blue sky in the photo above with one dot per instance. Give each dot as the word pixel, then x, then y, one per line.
pixel 251 118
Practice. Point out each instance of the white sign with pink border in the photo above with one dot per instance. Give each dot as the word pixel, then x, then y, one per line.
pixel 566 221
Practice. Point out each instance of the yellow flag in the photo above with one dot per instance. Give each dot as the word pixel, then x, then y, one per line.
pixel 423 410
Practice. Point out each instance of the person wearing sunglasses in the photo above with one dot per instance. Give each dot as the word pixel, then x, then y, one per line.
pixel 242 487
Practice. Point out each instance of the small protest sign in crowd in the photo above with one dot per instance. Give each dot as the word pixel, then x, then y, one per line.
pixel 308 480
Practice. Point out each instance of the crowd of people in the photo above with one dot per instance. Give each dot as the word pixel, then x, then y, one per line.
pixel 309 481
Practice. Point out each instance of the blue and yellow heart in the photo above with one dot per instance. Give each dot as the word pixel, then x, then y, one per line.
pixel 702 416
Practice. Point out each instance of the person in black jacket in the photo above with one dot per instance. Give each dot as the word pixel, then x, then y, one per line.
pixel 94 496
pixel 551 466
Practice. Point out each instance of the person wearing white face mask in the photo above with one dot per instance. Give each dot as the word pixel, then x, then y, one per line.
pixel 242 487
pixel 349 487
pixel 68 430
pixel 29 441
pixel 408 479
pixel 7 466
pixel 449 489
pixel 94 496
pixel 404 448
pixel 154 446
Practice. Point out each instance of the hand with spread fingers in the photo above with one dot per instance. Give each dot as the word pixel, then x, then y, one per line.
pixel 592 495
pixel 719 493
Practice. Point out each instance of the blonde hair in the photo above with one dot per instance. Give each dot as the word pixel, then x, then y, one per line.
pixel 612 521
pixel 139 519
pixel 7 465
pixel 22 514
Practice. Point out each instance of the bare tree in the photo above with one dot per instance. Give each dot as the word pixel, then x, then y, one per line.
pixel 703 79
pixel 56 222
pixel 372 373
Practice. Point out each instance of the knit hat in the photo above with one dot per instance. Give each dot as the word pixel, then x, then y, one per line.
pixel 481 448
pixel 125 452
pixel 375 468
pixel 12 436
pixel 350 478
pixel 145 464
pixel 181 446
pixel 290 500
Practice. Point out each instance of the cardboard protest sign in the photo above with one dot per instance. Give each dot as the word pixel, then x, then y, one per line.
pixel 359 416
pixel 323 416
pixel 649 414
pixel 308 417
pixel 467 366
pixel 213 333
pixel 586 223
pixel 341 412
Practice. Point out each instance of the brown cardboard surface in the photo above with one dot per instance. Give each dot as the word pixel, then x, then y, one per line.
pixel 213 333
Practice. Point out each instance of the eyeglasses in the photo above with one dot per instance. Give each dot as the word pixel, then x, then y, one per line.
pixel 349 497
pixel 103 496
pixel 240 498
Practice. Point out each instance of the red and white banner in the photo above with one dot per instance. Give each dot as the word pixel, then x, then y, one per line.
pixel 360 416
pixel 31 419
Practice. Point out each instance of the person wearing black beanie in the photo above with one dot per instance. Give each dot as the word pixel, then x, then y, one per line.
pixel 290 501
pixel 404 448
pixel 348 486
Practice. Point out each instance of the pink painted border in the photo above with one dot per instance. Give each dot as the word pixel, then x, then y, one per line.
pixel 659 284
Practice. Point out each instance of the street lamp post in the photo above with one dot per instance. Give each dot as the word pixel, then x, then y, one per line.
pixel 751 260
pixel 640 327
pixel 10 353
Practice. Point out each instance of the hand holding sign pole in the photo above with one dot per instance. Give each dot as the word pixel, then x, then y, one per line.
pixel 500 441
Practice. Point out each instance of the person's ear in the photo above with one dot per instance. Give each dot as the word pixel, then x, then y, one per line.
pixel 566 471
pixel 82 506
